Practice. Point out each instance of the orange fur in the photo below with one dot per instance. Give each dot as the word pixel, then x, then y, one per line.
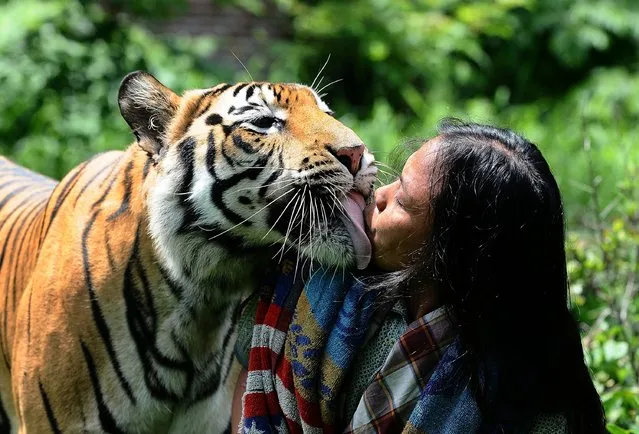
pixel 87 294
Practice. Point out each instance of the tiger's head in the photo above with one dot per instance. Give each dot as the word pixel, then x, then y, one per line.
pixel 243 167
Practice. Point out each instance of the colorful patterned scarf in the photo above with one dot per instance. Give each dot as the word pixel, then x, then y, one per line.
pixel 390 400
pixel 424 387
pixel 306 337
pixel 304 340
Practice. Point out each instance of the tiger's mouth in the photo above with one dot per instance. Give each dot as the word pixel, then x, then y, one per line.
pixel 353 220
pixel 324 225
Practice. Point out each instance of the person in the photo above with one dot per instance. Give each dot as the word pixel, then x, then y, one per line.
pixel 471 235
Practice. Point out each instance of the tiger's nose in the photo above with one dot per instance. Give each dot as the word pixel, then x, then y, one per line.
pixel 351 157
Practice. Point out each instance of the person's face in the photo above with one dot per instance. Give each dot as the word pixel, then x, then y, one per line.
pixel 398 219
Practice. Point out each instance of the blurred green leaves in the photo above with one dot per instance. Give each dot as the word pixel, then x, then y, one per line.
pixel 60 68
pixel 603 267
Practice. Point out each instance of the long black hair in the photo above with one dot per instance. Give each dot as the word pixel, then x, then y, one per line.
pixel 496 256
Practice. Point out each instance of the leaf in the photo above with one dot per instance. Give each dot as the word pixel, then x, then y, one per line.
pixel 615 429
pixel 614 350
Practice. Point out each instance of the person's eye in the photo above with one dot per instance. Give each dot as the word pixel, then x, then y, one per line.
pixel 400 202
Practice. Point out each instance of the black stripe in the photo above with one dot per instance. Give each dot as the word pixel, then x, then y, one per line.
pixel 124 205
pixel 29 316
pixel 187 157
pixel 3 255
pixel 90 181
pixel 221 185
pixel 214 119
pixel 106 191
pixel 29 236
pixel 230 242
pixel 242 110
pixel 13 181
pixel 197 111
pixel 5 423
pixel 53 423
pixel 98 316
pixel 203 110
pixel 142 321
pixel 30 176
pixel 227 157
pixel 244 146
pixel 214 379
pixel 147 166
pixel 250 90
pixel 146 288
pixel 107 420
pixel 14 252
pixel 8 197
pixel 230 331
pixel 80 405
pixel 109 251
pixel 113 169
pixel 262 190
pixel 210 156
pixel 220 88
pixel 130 288
pixel 6 360
pixel 66 189
pixel 239 88
pixel 174 287
pixel 200 111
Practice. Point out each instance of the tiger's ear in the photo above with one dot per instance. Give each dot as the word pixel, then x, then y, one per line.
pixel 147 106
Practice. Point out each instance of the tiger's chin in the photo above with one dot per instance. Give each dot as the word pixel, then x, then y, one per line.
pixel 336 251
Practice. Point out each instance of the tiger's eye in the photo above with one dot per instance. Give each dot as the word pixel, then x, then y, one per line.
pixel 265 122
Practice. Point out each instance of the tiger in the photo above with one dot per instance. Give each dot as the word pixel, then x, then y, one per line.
pixel 122 283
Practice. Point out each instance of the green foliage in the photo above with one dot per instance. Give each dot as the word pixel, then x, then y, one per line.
pixel 60 70
pixel 556 70
pixel 561 72
pixel 603 265
pixel 147 8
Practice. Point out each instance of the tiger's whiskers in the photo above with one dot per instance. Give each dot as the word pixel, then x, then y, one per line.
pixel 281 215
pixel 243 66
pixel 326 86
pixel 320 72
pixel 249 217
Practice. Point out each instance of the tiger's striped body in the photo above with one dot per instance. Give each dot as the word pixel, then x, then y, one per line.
pixel 120 284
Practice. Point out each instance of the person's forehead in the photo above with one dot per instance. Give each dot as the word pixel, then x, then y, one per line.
pixel 417 165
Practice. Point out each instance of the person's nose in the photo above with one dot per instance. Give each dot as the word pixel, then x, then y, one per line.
pixel 381 195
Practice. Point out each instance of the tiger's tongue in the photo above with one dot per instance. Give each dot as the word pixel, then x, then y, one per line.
pixel 354 204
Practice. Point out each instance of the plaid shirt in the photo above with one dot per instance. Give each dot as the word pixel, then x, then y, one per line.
pixel 389 400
